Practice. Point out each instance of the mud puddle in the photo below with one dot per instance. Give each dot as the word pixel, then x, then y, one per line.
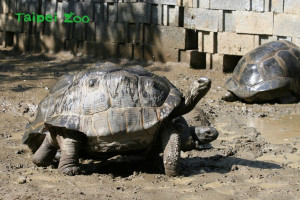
pixel 279 130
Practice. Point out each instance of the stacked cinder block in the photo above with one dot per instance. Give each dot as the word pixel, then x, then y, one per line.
pixel 210 34
pixel 228 29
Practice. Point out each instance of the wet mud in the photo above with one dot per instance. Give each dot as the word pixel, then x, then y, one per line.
pixel 256 156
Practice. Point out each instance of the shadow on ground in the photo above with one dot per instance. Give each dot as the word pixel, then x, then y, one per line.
pixel 127 166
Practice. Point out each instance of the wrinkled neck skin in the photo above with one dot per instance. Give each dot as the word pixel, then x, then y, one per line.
pixel 189 102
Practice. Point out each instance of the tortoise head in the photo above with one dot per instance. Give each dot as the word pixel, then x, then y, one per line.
pixel 199 88
pixel 197 91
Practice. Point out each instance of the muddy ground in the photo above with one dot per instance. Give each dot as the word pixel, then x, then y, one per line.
pixel 257 155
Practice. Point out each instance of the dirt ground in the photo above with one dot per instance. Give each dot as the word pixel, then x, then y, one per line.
pixel 257 155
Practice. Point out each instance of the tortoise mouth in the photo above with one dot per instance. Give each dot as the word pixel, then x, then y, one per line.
pixel 203 83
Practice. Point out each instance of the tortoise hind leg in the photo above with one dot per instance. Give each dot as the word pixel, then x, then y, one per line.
pixel 171 147
pixel 45 153
pixel 69 160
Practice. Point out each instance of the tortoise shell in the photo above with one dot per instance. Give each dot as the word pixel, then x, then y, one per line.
pixel 116 108
pixel 267 72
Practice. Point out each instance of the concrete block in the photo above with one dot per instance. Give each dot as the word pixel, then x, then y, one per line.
pixel 90 31
pixel 2 22
pixel 268 5
pixel 33 42
pixel 256 40
pixel 292 7
pixel 230 4
pixel 195 4
pixel 138 51
pixel 209 42
pixel 27 27
pixel 133 13
pixel 98 12
pixel 217 62
pixel 22 42
pixel 193 58
pixel 171 16
pixel 13 6
pixel 38 27
pixel 208 59
pixel 295 40
pixel 254 22
pixel 134 33
pixel 156 14
pixel 187 3
pixel 126 51
pixel 110 12
pixel 221 20
pixel 101 50
pixel 33 6
pixel 235 44
pixel 229 21
pixel 110 32
pixel 277 6
pixel 165 12
pixel 258 5
pixel 166 2
pixel 70 45
pixel 60 11
pixel 78 31
pixel 201 19
pixel 200 41
pixel 156 53
pixel 10 23
pixel 1 37
pixel 104 1
pixel 286 25
pixel 165 36
pixel 51 43
pixel 84 8
pixel 204 4
pixel 4 6
pixel 49 7
pixel 263 39
pixel 59 29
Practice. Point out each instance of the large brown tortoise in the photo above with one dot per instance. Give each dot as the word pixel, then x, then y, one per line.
pixel 270 72
pixel 111 110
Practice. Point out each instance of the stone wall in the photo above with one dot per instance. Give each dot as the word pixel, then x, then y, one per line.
pixel 203 33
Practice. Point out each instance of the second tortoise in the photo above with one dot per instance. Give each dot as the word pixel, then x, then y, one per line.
pixel 270 72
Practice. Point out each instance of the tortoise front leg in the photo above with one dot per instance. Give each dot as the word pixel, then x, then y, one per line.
pixel 171 146
pixel 45 154
pixel 69 160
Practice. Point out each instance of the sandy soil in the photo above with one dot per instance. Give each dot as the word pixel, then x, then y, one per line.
pixel 256 156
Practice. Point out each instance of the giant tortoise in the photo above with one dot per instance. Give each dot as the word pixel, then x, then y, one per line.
pixel 270 72
pixel 112 110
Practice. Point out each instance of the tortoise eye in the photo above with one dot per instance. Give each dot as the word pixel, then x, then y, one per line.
pixel 92 82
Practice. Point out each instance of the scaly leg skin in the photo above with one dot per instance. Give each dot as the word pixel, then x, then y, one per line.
pixel 45 154
pixel 171 145
pixel 69 160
